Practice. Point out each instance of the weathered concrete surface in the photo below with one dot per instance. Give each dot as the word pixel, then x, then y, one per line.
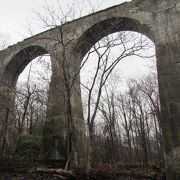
pixel 159 20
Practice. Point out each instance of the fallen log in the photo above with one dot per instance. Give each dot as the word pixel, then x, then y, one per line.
pixel 61 173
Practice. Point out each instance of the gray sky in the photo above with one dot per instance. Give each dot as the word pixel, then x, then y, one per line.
pixel 15 14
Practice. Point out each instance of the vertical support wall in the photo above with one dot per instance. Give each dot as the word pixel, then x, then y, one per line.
pixel 168 66
pixel 169 85
pixel 7 125
pixel 55 132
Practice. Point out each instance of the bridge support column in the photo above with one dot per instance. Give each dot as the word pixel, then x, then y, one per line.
pixel 55 131
pixel 7 124
pixel 168 66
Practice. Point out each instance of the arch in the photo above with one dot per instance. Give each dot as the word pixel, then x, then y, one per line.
pixel 18 63
pixel 109 26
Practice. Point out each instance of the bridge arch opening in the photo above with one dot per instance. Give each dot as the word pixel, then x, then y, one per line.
pixel 107 27
pixel 105 101
pixel 28 75
pixel 31 96
pixel 20 60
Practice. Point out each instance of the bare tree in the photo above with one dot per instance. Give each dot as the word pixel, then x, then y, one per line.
pixel 105 64
pixel 109 116
pixel 31 97
pixel 124 105
pixel 66 75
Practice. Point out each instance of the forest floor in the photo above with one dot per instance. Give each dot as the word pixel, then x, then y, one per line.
pixel 26 170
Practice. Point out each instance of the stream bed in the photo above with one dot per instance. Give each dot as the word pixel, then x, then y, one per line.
pixel 32 176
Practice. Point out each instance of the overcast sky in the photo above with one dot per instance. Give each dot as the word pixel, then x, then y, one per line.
pixel 15 14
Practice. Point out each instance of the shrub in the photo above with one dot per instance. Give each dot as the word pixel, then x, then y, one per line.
pixel 28 147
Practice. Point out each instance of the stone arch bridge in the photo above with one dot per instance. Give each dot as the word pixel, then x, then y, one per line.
pixel 157 19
